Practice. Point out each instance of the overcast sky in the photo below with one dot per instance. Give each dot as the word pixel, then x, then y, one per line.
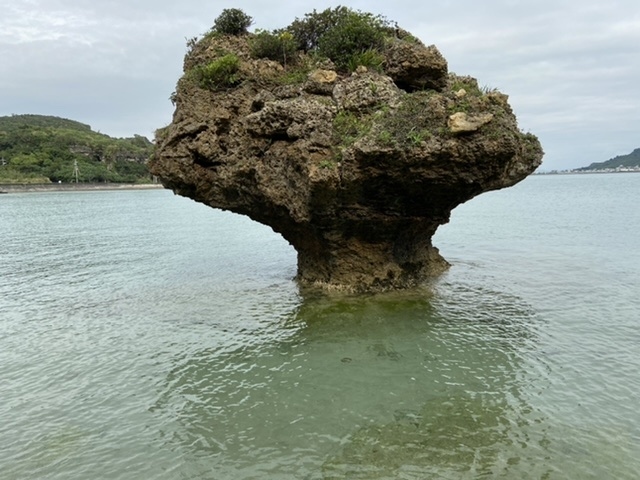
pixel 571 68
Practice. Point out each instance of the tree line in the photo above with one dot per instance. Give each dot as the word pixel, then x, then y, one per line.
pixel 43 149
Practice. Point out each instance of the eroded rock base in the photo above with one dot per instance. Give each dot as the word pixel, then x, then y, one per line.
pixel 368 267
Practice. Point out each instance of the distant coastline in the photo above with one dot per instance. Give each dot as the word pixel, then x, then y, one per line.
pixel 589 172
pixel 74 187
pixel 629 163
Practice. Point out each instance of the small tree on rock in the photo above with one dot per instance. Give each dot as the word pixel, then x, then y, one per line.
pixel 341 34
pixel 232 21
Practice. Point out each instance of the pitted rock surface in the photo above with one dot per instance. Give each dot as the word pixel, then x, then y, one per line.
pixel 356 171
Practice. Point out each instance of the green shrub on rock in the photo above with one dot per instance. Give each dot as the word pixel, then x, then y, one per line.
pixel 308 30
pixel 220 73
pixel 371 59
pixel 354 34
pixel 280 47
pixel 232 21
pixel 341 34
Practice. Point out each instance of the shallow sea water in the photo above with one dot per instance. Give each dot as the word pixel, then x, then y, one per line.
pixel 143 335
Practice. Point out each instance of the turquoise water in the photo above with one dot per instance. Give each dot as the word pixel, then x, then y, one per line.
pixel 143 335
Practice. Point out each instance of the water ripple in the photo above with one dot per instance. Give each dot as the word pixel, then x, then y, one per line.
pixel 146 336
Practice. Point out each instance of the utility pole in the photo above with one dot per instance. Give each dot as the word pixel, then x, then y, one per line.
pixel 75 170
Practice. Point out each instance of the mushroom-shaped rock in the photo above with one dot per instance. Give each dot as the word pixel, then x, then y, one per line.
pixel 355 170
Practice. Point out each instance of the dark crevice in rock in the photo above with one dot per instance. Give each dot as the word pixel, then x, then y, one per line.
pixel 204 161
pixel 280 137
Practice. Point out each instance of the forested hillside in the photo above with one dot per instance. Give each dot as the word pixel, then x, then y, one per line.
pixel 42 149
pixel 626 161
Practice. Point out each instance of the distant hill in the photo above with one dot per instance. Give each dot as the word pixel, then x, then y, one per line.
pixel 629 161
pixel 41 149
pixel 43 121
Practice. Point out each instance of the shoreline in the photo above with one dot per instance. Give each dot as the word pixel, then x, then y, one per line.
pixel 74 187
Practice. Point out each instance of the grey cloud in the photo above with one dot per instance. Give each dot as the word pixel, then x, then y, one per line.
pixel 569 67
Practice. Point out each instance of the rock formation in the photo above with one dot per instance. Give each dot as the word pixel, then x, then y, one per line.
pixel 355 170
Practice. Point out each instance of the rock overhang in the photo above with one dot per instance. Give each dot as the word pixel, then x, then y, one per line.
pixel 355 169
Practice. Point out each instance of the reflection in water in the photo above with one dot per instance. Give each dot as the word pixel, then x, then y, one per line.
pixel 167 340
pixel 368 387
